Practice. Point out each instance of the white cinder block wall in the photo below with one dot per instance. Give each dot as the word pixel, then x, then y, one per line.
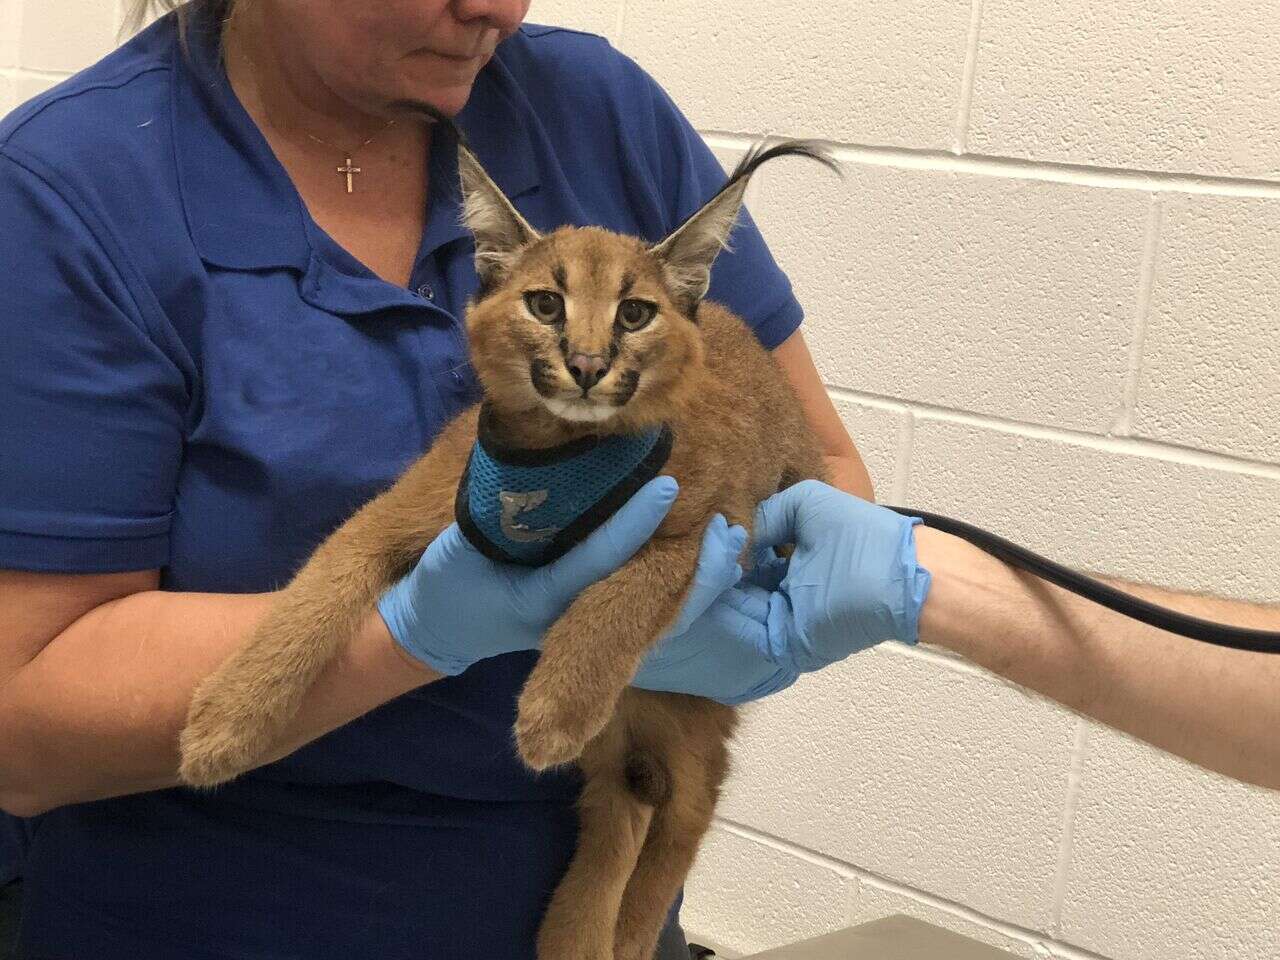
pixel 1046 297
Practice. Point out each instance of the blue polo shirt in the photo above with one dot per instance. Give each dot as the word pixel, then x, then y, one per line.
pixel 195 377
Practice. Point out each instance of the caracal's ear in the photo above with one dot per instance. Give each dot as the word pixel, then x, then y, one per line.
pixel 499 229
pixel 687 254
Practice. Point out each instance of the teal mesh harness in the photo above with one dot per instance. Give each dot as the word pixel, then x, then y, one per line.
pixel 531 506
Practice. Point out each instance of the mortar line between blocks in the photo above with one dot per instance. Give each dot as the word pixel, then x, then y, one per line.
pixel 1142 311
pixel 848 871
pixel 902 464
pixel 619 22
pixel 16 15
pixel 1125 446
pixel 966 79
pixel 1065 951
pixel 944 161
pixel 1071 803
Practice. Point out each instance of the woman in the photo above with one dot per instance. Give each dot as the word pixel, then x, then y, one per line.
pixel 236 277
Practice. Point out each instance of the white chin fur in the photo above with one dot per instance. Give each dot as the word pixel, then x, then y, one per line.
pixel 579 412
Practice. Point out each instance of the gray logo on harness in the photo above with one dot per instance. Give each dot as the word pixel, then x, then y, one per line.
pixel 514 504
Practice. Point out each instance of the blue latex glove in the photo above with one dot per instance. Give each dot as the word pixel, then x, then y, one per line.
pixel 457 606
pixel 718 648
pixel 852 581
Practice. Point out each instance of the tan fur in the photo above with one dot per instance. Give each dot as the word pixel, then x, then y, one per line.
pixel 740 435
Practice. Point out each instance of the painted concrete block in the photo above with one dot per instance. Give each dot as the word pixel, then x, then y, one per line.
pixel 10 32
pixel 67 35
pixel 1014 298
pixel 1210 373
pixel 748 896
pixel 1174 524
pixel 1170 862
pixel 943 780
pixel 599 17
pixel 881 71
pixel 1164 85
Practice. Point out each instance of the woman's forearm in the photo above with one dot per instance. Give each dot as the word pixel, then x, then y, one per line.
pixel 97 713
pixel 1217 707
pixel 845 467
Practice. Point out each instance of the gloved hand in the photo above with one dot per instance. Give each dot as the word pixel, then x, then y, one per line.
pixel 718 648
pixel 852 582
pixel 457 606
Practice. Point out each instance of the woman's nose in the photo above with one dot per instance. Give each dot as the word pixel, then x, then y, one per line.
pixel 503 15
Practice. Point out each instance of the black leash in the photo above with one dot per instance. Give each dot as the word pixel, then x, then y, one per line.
pixel 1221 634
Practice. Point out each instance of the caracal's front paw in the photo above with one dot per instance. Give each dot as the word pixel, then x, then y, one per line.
pixel 222 739
pixel 550 732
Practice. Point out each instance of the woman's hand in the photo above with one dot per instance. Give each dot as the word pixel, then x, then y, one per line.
pixel 718 648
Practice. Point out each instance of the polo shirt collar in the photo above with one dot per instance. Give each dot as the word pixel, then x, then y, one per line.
pixel 242 209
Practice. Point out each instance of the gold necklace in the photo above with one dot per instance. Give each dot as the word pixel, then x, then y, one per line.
pixel 348 169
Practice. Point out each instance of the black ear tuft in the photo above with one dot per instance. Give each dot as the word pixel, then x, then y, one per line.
pixel 762 153
pixel 688 251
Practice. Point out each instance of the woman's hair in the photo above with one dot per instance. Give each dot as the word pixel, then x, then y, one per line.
pixel 140 11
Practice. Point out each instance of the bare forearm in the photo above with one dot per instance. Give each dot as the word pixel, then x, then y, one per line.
pixel 98 711
pixel 1214 706
pixel 844 464
pixel 850 475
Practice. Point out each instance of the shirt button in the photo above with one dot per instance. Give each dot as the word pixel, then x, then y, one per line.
pixel 425 291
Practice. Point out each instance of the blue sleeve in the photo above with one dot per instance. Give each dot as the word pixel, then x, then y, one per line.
pixel 91 409
pixel 745 278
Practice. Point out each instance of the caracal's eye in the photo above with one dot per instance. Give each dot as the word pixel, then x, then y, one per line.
pixel 546 306
pixel 635 314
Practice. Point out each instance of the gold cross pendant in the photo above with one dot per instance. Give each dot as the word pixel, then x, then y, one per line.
pixel 349 170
